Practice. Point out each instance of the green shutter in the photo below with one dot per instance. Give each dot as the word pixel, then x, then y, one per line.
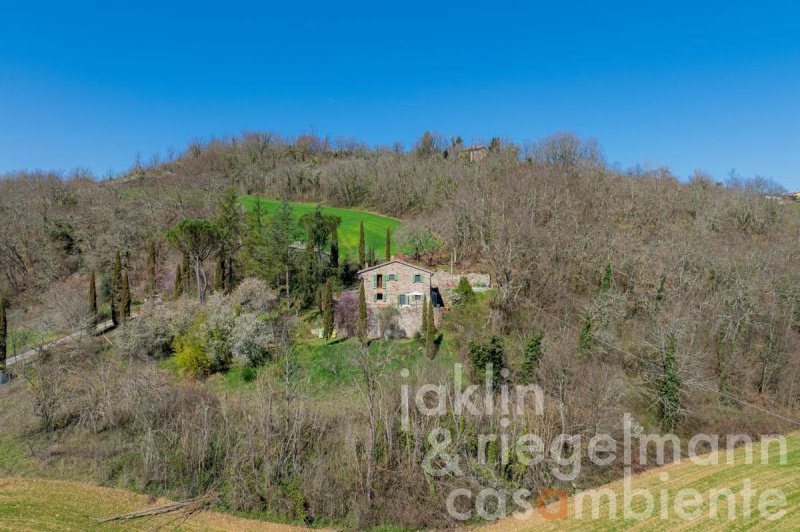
pixel 374 297
pixel 374 280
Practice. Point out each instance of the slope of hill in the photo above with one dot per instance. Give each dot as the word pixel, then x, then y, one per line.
pixel 374 224
pixel 35 504
pixel 672 479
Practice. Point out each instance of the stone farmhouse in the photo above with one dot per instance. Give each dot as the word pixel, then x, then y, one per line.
pixel 400 285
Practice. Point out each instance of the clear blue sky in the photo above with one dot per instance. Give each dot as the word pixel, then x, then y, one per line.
pixel 715 87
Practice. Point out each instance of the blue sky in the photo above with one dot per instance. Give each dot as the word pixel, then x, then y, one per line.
pixel 713 86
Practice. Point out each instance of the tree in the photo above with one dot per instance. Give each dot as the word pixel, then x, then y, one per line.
pixel 230 220
pixel 334 250
pixel 669 390
pixel 605 281
pixel 186 270
pixel 315 262
pixel 3 333
pixel 531 358
pixel 199 239
pixel 430 331
pixel 178 290
pixel 586 338
pixel 361 324
pixel 219 274
pixel 362 246
pixel 125 297
pixel 327 310
pixel 151 273
pixel 463 292
pixel 486 358
pixel 280 236
pixel 388 246
pixel 423 330
pixel 91 313
pixel 116 287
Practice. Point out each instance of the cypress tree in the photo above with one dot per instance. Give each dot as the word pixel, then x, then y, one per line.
pixel 430 332
pixel 586 338
pixel 125 298
pixel 116 287
pixel 327 310
pixel 388 246
pixel 3 333
pixel 219 274
pixel 178 290
pixel 362 246
pixel 605 282
pixel 371 255
pixel 361 324
pixel 423 330
pixel 91 314
pixel 335 250
pixel 669 398
pixel 531 358
pixel 186 268
pixel 151 268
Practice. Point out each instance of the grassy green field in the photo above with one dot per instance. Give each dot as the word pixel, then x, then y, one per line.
pixel 688 475
pixel 36 504
pixel 374 224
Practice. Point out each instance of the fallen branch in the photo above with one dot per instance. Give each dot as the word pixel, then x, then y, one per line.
pixel 189 506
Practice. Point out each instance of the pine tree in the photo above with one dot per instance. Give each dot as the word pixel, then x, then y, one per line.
pixel 388 246
pixel 151 268
pixel 669 398
pixel 116 287
pixel 178 290
pixel 361 324
pixel 219 274
pixel 531 358
pixel 362 246
pixel 125 298
pixel 327 310
pixel 3 333
pixel 335 250
pixel 91 314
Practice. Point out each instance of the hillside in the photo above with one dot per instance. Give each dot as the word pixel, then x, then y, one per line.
pixel 36 504
pixel 616 292
pixel 687 476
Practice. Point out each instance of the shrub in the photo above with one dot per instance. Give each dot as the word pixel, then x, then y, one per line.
pixel 482 355
pixel 250 339
pixel 463 293
pixel 253 295
pixel 190 350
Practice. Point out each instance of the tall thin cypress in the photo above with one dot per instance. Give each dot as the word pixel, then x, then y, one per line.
pixel 125 297
pixel 430 331
pixel 327 310
pixel 361 323
pixel 91 313
pixel 669 389
pixel 531 358
pixel 423 330
pixel 177 292
pixel 219 274
pixel 151 268
pixel 335 250
pixel 388 246
pixel 116 286
pixel 3 333
pixel 362 246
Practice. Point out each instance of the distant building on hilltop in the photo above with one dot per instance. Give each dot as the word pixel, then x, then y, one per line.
pixel 475 154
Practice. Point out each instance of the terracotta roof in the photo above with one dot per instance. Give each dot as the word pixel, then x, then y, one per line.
pixel 395 261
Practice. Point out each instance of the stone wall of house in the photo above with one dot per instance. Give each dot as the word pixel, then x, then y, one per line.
pixel 392 289
pixel 446 282
pixel 406 324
